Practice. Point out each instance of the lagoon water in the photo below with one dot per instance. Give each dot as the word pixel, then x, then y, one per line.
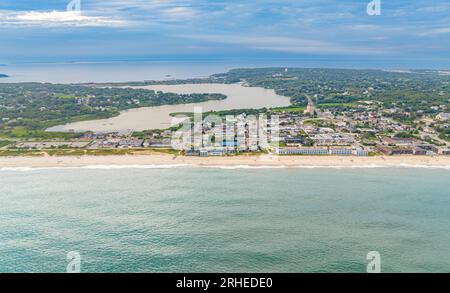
pixel 238 97
pixel 225 220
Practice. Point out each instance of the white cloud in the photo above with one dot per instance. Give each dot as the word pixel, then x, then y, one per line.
pixel 438 31
pixel 56 19
pixel 180 13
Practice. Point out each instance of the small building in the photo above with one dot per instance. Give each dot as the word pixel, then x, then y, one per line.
pixel 443 116
pixel 429 147
pixel 420 151
pixel 390 151
pixel 130 143
pixel 341 152
pixel 444 152
pixel 216 153
pixel 302 151
pixel 399 141
pixel 361 153
pixel 332 139
pixel 192 153
pixel 160 143
pixel 296 140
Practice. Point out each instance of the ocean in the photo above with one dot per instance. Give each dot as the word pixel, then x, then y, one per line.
pixel 183 219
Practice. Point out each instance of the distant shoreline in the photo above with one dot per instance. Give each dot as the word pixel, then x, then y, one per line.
pixel 260 161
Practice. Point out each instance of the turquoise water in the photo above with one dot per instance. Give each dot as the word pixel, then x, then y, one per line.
pixel 216 220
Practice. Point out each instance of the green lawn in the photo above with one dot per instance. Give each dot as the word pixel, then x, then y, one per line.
pixel 4 143
pixel 317 121
pixel 334 105
pixel 24 133
pixel 86 152
pixel 19 131
pixel 289 109
pixel 67 97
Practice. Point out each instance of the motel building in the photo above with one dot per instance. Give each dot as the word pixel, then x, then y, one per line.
pixel 321 151
pixel 301 151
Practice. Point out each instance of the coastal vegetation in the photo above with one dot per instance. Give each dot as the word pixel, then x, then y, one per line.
pixel 4 143
pixel 418 90
pixel 85 152
pixel 411 91
pixel 27 109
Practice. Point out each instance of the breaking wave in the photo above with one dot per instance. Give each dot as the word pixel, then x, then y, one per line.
pixel 224 167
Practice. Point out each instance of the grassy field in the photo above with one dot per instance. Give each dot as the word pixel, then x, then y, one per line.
pixel 4 143
pixel 289 109
pixel 85 152
pixel 67 97
pixel 316 122
pixel 334 105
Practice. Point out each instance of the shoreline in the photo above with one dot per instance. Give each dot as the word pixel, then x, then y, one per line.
pixel 261 161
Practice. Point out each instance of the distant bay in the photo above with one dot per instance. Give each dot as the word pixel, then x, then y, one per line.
pixel 84 72
pixel 123 71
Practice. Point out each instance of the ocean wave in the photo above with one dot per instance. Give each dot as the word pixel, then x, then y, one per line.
pixel 226 167
pixel 92 167
pixel 234 167
pixel 370 166
pixel 405 166
pixel 341 167
pixel 445 167
pixel 109 167
pixel 19 169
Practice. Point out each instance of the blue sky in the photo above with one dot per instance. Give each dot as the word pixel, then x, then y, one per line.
pixel 413 33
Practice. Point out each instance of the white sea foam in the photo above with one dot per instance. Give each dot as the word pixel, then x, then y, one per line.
pixel 447 167
pixel 405 166
pixel 109 167
pixel 371 166
pixel 225 167
pixel 339 167
pixel 234 167
pixel 21 169
pixel 92 167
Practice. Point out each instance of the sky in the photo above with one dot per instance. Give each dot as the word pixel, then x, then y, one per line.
pixel 408 33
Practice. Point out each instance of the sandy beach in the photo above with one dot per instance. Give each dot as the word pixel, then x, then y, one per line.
pixel 269 161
